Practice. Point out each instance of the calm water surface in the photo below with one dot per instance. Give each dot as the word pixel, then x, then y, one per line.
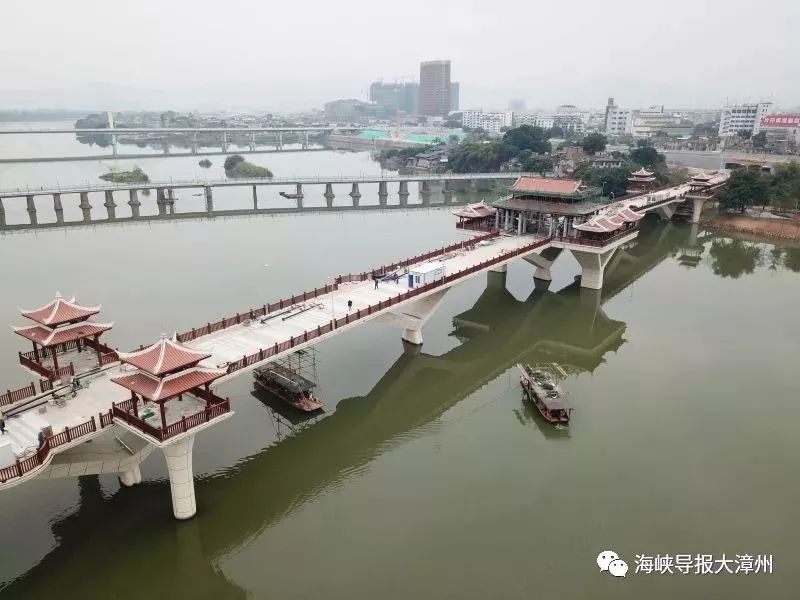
pixel 428 476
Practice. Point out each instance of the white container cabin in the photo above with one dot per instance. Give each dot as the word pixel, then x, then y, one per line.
pixel 425 273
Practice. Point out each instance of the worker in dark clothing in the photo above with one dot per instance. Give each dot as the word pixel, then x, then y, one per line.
pixel 349 305
pixel 42 438
pixel 376 283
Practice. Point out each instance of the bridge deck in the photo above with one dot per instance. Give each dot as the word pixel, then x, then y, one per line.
pixel 231 344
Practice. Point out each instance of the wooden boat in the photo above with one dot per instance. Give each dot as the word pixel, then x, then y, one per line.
pixel 290 195
pixel 289 386
pixel 542 389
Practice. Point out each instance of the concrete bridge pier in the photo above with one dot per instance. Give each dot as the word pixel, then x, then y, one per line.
pixel 255 198
pixel 2 214
pixel 131 477
pixel 425 191
pixel 355 194
pixel 543 261
pixel 403 192
pixel 85 207
pixel 280 140
pixel 499 268
pixel 58 208
pixel 383 193
pixel 697 209
pixel 417 314
pixel 161 201
pixel 209 200
pixel 111 208
pixel 178 456
pixel 114 148
pixel 29 200
pixel 329 195
pixel 305 141
pixel 665 211
pixel 473 185
pixel 134 203
pixel 593 265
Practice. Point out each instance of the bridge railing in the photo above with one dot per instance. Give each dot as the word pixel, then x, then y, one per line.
pixel 267 309
pixel 266 353
pixel 69 434
pixel 580 241
pixel 220 406
pixel 12 396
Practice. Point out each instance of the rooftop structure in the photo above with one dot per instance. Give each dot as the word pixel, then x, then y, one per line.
pixel 61 326
pixel 642 180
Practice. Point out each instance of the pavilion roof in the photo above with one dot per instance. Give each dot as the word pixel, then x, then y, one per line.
pixel 161 389
pixel 479 209
pixel 608 221
pixel 547 185
pixel 701 176
pixel 165 356
pixel 60 311
pixel 642 172
pixel 582 207
pixel 50 336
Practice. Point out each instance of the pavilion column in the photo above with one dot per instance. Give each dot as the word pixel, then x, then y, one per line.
pixel 163 415
pixel 97 347
pixel 178 456
pixel 36 351
pixel 54 353
pixel 208 395
pixel 135 400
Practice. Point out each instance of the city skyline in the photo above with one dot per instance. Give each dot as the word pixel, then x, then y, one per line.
pixel 604 50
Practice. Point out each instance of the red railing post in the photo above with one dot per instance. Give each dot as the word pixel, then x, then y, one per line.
pixel 66 430
pixel 94 424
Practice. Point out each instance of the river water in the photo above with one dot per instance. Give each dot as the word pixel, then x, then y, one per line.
pixel 428 475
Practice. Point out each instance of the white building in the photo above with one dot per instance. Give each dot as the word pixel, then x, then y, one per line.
pixel 545 121
pixel 647 123
pixel 525 119
pixel 619 121
pixel 488 121
pixel 743 117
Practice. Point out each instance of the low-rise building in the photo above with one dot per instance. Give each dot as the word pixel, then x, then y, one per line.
pixel 782 130
pixel 488 121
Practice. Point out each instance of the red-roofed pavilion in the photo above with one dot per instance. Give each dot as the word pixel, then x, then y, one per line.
pixel 164 371
pixel 61 325
pixel 642 180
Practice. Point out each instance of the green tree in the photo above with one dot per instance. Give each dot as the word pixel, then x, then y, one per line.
pixel 594 142
pixel 644 155
pixel 785 186
pixel 609 181
pixel 538 164
pixel 476 157
pixel 745 188
pixel 527 137
pixel 233 160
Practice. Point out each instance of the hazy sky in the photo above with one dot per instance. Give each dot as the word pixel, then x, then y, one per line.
pixel 271 55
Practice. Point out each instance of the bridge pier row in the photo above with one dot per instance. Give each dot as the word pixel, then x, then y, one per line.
pixel 593 265
pixel 132 477
pixel 178 456
pixel 58 208
pixel 111 208
pixel 383 193
pixel 134 203
pixel 543 261
pixel 209 200
pixel 29 200
pixel 255 198
pixel 85 207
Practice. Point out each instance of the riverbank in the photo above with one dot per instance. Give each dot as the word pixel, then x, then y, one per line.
pixel 784 229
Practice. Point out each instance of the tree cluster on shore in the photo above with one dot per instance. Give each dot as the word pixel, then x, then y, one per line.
pixel 751 187
pixel 236 167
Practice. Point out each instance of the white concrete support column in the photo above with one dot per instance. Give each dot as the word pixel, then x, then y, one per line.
pixel 666 211
pixel 592 266
pixel 416 314
pixel 181 477
pixel 697 208
pixel 131 478
pixel 58 208
pixel 111 207
pixel 520 222
pixel 85 207
pixel 31 210
pixel 543 261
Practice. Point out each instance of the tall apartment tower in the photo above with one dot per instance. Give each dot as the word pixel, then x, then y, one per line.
pixel 434 88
